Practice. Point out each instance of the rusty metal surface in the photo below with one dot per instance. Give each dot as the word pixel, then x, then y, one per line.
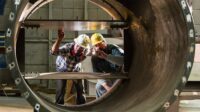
pixel 159 42
pixel 161 36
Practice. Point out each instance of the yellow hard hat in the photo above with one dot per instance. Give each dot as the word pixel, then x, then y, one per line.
pixel 83 40
pixel 97 38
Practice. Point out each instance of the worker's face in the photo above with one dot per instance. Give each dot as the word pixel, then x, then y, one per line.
pixel 78 49
pixel 101 45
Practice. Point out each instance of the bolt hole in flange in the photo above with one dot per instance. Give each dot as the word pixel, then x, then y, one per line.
pixel 161 34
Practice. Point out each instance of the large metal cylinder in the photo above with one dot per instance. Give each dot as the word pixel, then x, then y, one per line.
pixel 159 46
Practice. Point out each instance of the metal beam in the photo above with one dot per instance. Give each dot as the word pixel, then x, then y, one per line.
pixel 74 75
pixel 74 25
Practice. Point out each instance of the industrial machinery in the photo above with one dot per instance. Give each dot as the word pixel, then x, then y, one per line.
pixel 159 40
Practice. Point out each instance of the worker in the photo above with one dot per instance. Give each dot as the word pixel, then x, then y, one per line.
pixel 68 57
pixel 101 62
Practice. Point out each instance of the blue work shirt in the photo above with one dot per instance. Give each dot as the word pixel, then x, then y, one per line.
pixel 101 65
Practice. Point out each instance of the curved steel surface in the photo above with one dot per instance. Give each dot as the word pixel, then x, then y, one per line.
pixel 160 44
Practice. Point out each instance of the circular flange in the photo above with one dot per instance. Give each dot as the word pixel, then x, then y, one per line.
pixel 40 104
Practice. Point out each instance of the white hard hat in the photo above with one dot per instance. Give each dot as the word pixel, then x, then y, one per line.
pixel 83 40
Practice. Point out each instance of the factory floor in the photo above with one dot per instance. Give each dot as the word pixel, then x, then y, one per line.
pixel 14 104
pixel 18 104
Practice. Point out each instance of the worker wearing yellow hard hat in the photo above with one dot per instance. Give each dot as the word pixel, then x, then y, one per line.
pixel 101 63
pixel 97 38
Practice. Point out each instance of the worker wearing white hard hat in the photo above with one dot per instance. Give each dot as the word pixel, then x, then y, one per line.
pixel 83 40
pixel 69 57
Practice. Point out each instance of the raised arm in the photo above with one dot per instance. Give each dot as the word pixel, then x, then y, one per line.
pixel 56 45
pixel 115 58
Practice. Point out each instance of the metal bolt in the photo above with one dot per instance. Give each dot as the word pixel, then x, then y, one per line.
pixel 37 107
pixel 11 17
pixel 176 92
pixel 26 94
pixel 184 79
pixel 17 81
pixel 11 66
pixel 189 65
pixel 183 3
pixel 8 49
pixel 8 33
pixel 188 18
pixel 191 33
pixel 17 2
pixel 166 105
